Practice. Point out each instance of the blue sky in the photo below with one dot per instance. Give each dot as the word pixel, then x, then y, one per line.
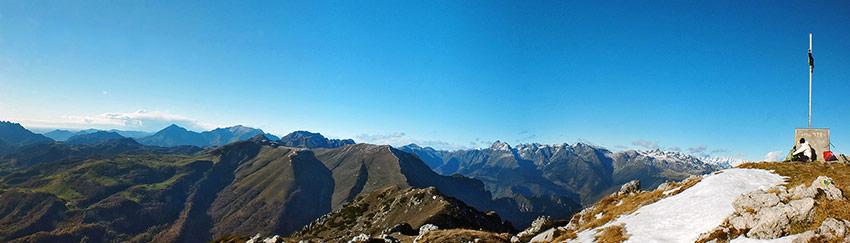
pixel 726 78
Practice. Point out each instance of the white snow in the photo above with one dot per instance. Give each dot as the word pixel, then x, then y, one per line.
pixel 785 239
pixel 671 190
pixel 701 208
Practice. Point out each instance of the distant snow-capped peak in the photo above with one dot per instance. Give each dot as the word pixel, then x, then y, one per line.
pixel 723 161
pixel 498 145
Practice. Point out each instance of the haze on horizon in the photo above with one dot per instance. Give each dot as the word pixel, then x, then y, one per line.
pixel 720 78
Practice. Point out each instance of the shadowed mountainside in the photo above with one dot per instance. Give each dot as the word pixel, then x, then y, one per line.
pixel 14 136
pixel 582 172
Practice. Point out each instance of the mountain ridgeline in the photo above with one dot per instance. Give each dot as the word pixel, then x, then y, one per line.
pixel 14 136
pixel 120 190
pixel 184 186
pixel 581 171
pixel 175 135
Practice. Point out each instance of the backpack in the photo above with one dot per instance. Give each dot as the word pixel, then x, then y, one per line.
pixel 828 156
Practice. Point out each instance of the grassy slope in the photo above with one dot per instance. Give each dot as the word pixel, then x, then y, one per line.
pixel 121 196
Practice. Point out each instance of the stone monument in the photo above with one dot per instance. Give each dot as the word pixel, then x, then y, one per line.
pixel 818 138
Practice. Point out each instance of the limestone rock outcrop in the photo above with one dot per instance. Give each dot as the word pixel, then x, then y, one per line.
pixel 770 214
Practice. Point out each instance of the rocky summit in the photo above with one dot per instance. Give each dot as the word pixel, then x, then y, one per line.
pixel 393 213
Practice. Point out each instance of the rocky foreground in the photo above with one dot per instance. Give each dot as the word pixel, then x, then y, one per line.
pixel 761 202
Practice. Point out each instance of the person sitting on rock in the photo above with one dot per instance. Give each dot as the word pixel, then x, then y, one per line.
pixel 804 151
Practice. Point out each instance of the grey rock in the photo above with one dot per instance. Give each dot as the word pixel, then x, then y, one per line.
pixel 828 187
pixel 362 238
pixel 832 228
pixel 428 227
pixel 546 236
pixel 664 187
pixel 515 239
pixel 538 225
pixel 802 209
pixel 630 187
pixel 745 220
pixel 804 237
pixel 390 239
pixel 801 191
pixel 772 223
pixel 755 200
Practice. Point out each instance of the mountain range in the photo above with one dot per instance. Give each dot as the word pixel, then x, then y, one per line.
pixel 64 135
pixel 583 172
pixel 174 135
pixel 245 187
pixel 106 187
pixel 14 136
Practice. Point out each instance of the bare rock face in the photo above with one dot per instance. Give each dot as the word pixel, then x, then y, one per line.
pixel 769 214
pixel 630 187
pixel 362 238
pixel 546 236
pixel 831 229
pixel 756 201
pixel 428 227
pixel 772 223
pixel 825 184
pixel 538 225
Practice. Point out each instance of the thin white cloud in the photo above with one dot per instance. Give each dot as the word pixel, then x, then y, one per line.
pixel 773 156
pixel 720 150
pixel 137 120
pixel 697 149
pixel 646 144
pixel 400 139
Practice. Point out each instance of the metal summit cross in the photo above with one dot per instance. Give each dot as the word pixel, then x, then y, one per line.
pixel 818 138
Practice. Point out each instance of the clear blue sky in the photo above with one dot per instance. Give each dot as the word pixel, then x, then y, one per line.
pixel 725 76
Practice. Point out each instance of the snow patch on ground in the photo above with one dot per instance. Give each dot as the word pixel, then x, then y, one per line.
pixel 785 239
pixel 667 192
pixel 701 208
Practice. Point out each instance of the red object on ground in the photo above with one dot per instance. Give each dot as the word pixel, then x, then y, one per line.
pixel 828 156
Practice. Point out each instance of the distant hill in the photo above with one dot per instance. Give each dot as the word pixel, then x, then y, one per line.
pixel 48 152
pixel 305 139
pixel 222 136
pixel 93 138
pixel 60 135
pixel 64 135
pixel 174 135
pixel 14 136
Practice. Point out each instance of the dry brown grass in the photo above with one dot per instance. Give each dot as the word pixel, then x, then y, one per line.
pixel 612 234
pixel 463 235
pixel 803 173
pixel 611 207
